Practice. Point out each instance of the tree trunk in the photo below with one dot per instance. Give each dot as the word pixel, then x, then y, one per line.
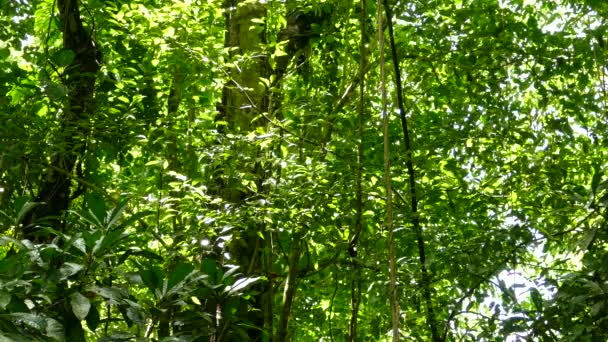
pixel 290 289
pixel 244 98
pixel 79 78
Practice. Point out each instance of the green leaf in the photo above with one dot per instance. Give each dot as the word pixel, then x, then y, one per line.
pixel 97 206
pixel 23 207
pixel 11 266
pixel 152 278
pixel 110 241
pixel 64 57
pixel 5 298
pixel 32 320
pixel 80 244
pixel 4 53
pixel 136 315
pixel 597 308
pixel 69 269
pixel 514 324
pixel 135 218
pixel 587 239
pixel 116 214
pixel 125 315
pixel 182 270
pixel 56 92
pixel 537 299
pixel 113 294
pixel 228 274
pixel 54 330
pixel 210 268
pixel 80 305
pixel 93 318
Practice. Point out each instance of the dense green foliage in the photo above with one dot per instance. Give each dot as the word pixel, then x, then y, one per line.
pixel 224 178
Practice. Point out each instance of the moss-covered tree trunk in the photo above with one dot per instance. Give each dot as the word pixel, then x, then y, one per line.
pixel 244 99
pixel 244 95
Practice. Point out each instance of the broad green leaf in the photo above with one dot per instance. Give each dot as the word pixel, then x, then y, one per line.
pixel 22 207
pixel 34 321
pixel 211 268
pixel 56 92
pixel 536 299
pixel 64 57
pixel 232 270
pixel 110 241
pixel 152 278
pixel 180 273
pixel 113 294
pixel 97 207
pixel 69 269
pixel 5 298
pixel 54 329
pixel 10 266
pixel 80 305
pixel 116 214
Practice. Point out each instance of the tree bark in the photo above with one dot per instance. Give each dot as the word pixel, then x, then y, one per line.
pixel 79 78
pixel 290 290
pixel 244 98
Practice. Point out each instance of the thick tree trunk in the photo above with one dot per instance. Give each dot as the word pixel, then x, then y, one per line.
pixel 79 78
pixel 244 98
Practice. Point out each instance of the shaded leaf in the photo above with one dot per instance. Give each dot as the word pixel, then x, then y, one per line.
pixel 181 271
pixel 80 305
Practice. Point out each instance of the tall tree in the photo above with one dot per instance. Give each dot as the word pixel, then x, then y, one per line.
pixel 81 59
pixel 244 103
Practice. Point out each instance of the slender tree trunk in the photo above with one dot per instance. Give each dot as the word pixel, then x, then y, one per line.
pixel 290 290
pixel 355 297
pixel 426 279
pixel 395 310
